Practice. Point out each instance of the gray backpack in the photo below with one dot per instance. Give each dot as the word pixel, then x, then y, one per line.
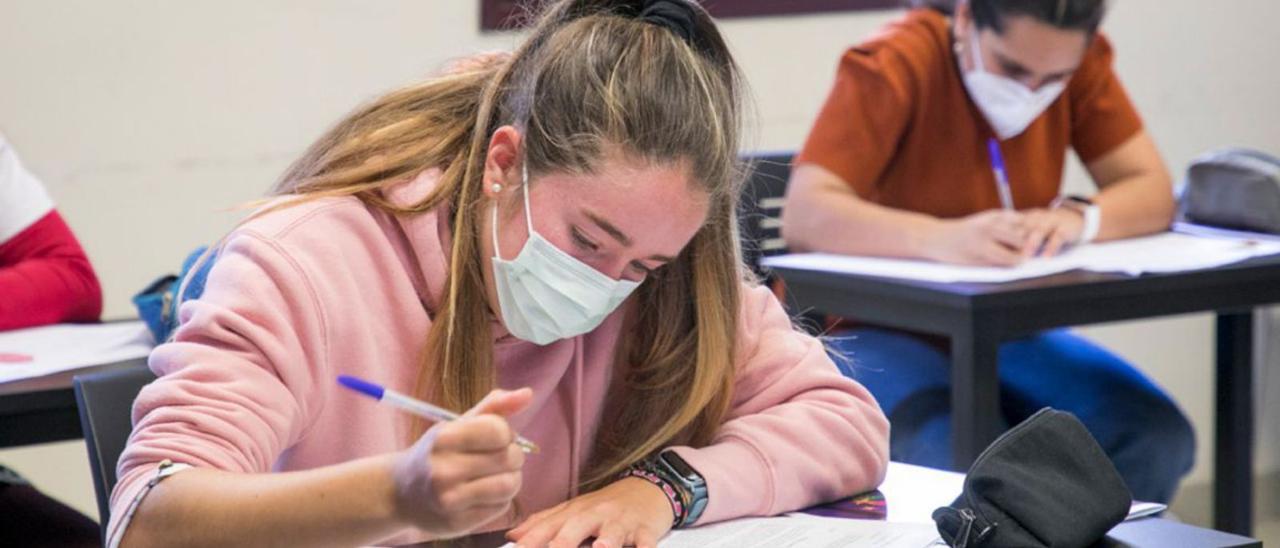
pixel 1234 188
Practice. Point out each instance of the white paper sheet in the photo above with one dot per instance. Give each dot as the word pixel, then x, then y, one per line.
pixel 914 270
pixel 1193 229
pixel 1165 252
pixel 800 532
pixel 913 492
pixel 40 351
pixel 803 532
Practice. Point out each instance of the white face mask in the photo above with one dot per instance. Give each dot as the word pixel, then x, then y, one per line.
pixel 1008 105
pixel 546 294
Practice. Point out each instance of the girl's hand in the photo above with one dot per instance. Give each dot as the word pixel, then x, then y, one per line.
pixel 462 474
pixel 1049 230
pixel 990 238
pixel 628 512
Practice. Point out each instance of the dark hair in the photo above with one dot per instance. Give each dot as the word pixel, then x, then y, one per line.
pixel 1083 15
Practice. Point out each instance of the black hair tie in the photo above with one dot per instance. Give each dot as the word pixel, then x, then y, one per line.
pixel 671 14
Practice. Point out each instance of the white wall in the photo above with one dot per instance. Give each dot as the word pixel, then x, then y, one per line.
pixel 148 120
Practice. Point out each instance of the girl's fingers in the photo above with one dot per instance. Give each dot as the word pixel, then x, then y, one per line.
pixel 646 538
pixel 533 521
pixel 997 254
pixel 477 434
pixel 491 490
pixel 1054 245
pixel 576 530
pixel 611 535
pixel 469 466
pixel 541 533
pixel 502 402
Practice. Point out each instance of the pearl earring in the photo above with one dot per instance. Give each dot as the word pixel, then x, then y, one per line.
pixel 496 187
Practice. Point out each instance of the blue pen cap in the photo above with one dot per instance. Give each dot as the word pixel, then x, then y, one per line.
pixel 993 148
pixel 361 385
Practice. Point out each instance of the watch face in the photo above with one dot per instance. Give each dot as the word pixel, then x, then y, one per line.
pixel 679 465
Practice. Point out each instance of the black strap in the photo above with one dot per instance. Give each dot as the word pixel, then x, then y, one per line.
pixel 962 528
pixel 674 15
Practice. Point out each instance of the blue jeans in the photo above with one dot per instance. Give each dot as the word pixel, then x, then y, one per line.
pixel 1136 423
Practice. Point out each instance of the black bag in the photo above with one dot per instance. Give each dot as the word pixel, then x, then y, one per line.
pixel 1234 188
pixel 1044 483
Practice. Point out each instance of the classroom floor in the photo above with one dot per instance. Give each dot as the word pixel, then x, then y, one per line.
pixel 1269 532
pixel 1193 505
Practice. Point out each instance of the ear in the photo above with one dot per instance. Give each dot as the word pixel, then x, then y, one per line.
pixel 502 162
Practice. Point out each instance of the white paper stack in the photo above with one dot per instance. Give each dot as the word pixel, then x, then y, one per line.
pixel 1163 253
pixel 40 351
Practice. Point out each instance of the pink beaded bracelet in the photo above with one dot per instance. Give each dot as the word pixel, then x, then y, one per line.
pixel 677 506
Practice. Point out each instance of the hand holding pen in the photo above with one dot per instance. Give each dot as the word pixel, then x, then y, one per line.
pixel 1046 231
pixel 416 406
pixel 994 237
pixel 462 473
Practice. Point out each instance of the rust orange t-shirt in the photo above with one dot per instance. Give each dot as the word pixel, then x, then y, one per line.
pixel 899 127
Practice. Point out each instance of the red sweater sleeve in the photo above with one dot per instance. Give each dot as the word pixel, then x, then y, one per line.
pixel 46 278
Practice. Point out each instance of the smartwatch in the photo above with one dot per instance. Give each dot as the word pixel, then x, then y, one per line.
pixel 1086 208
pixel 676 471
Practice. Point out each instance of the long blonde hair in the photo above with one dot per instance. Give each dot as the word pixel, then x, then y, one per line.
pixel 591 75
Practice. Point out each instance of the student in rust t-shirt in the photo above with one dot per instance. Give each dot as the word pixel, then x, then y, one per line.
pixel 897 165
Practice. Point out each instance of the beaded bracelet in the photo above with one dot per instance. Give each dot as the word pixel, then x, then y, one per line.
pixel 677 504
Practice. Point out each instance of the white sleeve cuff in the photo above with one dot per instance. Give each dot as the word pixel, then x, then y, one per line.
pixel 25 199
pixel 1092 223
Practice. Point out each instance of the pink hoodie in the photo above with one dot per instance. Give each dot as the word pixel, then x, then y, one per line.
pixel 331 287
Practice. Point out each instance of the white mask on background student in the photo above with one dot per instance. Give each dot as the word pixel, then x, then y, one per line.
pixel 546 294
pixel 1008 105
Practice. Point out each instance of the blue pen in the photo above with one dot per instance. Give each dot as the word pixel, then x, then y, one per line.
pixel 1002 177
pixel 413 405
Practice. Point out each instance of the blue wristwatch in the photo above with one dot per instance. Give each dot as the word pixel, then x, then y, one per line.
pixel 669 466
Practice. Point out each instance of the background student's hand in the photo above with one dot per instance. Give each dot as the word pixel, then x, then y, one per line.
pixel 990 238
pixel 462 474
pixel 1048 230
pixel 628 512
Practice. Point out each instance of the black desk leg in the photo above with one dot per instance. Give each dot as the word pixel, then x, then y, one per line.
pixel 1233 448
pixel 975 395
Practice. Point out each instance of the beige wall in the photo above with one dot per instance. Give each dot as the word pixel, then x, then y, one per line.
pixel 148 120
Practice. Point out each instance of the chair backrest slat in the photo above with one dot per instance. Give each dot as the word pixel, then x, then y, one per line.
pixel 105 401
pixel 763 197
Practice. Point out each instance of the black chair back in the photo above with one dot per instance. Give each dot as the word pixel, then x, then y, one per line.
pixel 761 208
pixel 105 400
